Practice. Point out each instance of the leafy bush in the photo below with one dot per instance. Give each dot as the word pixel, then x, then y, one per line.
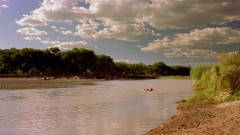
pixel 210 80
pixel 230 71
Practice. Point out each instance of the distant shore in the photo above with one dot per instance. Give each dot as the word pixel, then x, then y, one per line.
pixel 219 119
pixel 32 83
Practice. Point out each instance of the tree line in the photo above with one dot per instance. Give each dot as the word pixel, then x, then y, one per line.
pixel 78 61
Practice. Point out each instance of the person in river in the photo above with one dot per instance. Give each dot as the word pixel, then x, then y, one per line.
pixel 149 89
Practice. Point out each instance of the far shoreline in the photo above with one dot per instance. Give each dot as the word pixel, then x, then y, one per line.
pixel 43 82
pixel 36 83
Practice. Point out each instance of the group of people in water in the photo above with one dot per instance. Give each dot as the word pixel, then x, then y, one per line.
pixel 149 89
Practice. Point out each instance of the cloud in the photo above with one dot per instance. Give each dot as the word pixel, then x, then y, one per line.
pixel 190 53
pixel 118 10
pixel 54 11
pixel 87 28
pixel 33 38
pixel 4 6
pixel 125 60
pixel 125 19
pixel 62 30
pixel 121 30
pixel 127 31
pixel 66 45
pixel 30 31
pixel 158 13
pixel 178 14
pixel 202 39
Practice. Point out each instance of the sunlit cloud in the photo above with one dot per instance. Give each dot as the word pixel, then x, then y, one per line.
pixel 66 45
pixel 200 39
pixel 33 38
pixel 31 31
pixel 159 13
pixel 125 60
pixel 4 6
pixel 62 30
pixel 137 21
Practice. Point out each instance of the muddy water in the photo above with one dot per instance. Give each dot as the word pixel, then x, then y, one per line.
pixel 93 108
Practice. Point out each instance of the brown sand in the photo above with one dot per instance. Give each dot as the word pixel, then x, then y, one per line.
pixel 31 83
pixel 221 119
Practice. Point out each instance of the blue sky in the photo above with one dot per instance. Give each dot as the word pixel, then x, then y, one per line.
pixel 177 32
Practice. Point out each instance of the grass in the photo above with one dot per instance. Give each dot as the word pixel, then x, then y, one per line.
pixel 210 87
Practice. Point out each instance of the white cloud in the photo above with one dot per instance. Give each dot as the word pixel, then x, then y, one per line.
pixel 66 45
pixel 201 39
pixel 173 14
pixel 62 30
pixel 4 6
pixel 54 11
pixel 125 60
pixel 124 31
pixel 124 19
pixel 190 53
pixel 30 31
pixel 118 10
pixel 87 29
pixel 33 38
pixel 121 30
pixel 159 13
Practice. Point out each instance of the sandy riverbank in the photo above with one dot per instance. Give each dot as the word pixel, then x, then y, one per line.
pixel 32 83
pixel 221 119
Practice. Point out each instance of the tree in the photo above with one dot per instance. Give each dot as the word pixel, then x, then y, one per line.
pixel 79 61
pixel 180 70
pixel 158 69
pixel 54 50
pixel 121 69
pixel 105 65
pixel 137 69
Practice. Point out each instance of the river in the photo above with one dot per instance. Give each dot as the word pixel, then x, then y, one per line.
pixel 95 107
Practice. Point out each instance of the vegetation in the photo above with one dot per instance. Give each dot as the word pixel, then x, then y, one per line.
pixel 80 62
pixel 217 83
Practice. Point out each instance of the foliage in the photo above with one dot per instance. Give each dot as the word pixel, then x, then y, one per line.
pixel 78 61
pixel 230 71
pixel 211 80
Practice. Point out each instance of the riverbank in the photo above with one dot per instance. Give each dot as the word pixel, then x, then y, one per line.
pixel 34 83
pixel 221 118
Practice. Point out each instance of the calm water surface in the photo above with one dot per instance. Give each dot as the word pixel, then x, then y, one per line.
pixel 92 108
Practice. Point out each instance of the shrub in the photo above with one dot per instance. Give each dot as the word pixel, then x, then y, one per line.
pixel 230 71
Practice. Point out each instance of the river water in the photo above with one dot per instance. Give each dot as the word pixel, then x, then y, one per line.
pixel 93 108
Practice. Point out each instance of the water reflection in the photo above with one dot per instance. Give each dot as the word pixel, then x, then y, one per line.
pixel 103 108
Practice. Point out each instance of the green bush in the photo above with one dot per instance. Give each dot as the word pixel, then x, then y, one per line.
pixel 210 80
pixel 230 71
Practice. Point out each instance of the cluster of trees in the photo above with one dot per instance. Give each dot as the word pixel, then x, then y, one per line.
pixel 78 61
pixel 224 76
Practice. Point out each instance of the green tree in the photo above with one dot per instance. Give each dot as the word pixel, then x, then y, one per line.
pixel 121 69
pixel 79 61
pixel 158 69
pixel 137 69
pixel 105 65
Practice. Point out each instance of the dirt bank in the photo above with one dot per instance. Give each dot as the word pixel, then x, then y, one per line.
pixel 31 83
pixel 221 119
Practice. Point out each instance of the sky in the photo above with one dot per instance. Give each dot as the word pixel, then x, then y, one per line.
pixel 176 32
